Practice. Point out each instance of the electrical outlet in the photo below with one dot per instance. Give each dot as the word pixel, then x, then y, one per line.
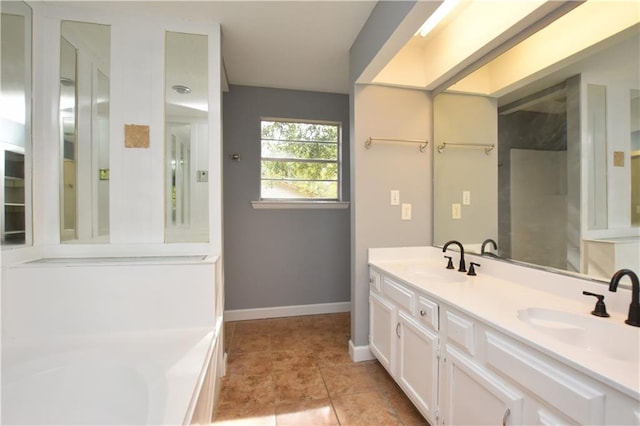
pixel 395 197
pixel 466 198
pixel 456 212
pixel 406 211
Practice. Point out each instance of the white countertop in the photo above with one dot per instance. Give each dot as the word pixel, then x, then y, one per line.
pixel 492 299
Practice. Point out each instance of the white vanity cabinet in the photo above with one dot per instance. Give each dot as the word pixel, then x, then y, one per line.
pixel 417 366
pixel 382 320
pixel 471 394
pixel 491 378
pixel 403 340
pixel 460 369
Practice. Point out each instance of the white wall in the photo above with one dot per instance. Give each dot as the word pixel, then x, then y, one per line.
pixel 76 298
pixel 394 113
pixel 79 297
pixel 137 196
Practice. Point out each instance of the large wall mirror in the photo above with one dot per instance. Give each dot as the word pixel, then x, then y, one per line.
pixel 186 138
pixel 15 124
pixel 84 132
pixel 559 186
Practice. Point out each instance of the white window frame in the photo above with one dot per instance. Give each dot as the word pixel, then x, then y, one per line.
pixel 267 203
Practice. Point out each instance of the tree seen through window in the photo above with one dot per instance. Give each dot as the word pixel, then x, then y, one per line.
pixel 299 160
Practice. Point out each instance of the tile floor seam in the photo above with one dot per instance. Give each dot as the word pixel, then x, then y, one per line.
pixel 333 407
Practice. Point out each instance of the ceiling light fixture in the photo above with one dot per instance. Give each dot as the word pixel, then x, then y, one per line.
pixel 67 82
pixel 443 10
pixel 181 89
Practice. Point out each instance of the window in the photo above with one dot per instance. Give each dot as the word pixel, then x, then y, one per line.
pixel 300 160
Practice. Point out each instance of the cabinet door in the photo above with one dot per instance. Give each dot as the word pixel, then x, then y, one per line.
pixel 474 396
pixel 382 330
pixel 418 365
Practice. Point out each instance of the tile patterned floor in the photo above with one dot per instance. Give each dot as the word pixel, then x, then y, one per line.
pixel 297 371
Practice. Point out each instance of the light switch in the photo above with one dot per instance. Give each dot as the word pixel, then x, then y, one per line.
pixel 456 212
pixel 406 211
pixel 395 197
pixel 466 198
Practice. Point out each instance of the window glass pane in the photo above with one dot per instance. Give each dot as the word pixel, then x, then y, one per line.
pixel 299 170
pixel 299 150
pixel 299 160
pixel 288 189
pixel 299 131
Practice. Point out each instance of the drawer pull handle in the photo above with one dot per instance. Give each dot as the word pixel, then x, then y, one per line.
pixel 398 329
pixel 506 417
pixel 422 313
pixel 371 280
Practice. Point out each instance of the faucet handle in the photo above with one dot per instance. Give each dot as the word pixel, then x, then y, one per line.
pixel 472 269
pixel 600 309
pixel 450 263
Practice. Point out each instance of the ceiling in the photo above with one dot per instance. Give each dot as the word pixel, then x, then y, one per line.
pixel 299 44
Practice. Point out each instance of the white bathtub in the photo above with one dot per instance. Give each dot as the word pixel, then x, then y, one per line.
pixel 132 378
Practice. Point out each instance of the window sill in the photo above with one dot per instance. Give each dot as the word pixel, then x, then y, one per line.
pixel 300 204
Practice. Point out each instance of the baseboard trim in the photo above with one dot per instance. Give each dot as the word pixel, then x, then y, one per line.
pixel 286 311
pixel 360 353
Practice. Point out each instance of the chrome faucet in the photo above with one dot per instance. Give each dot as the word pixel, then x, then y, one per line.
pixel 484 244
pixel 462 267
pixel 634 307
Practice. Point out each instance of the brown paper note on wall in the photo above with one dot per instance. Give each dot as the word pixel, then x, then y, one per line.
pixel 618 158
pixel 136 136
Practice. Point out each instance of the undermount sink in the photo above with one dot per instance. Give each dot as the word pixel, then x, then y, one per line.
pixel 430 273
pixel 599 336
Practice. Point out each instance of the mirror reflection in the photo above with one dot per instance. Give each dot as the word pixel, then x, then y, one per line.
pixel 186 138
pixel 635 157
pixel 84 132
pixel 15 123
pixel 563 181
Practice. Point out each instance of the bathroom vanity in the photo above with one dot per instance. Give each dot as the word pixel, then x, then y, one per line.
pixel 498 348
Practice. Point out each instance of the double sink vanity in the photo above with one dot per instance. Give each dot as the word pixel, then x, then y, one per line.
pixel 510 345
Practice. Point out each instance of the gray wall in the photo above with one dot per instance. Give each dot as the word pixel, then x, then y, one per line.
pixel 523 130
pixel 385 112
pixel 542 131
pixel 383 21
pixel 400 114
pixel 462 118
pixel 280 257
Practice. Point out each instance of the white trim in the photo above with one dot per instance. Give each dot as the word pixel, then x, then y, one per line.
pixel 286 311
pixel 360 353
pixel 300 204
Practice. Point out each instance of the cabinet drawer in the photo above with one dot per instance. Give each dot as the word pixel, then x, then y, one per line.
pixel 428 312
pixel 374 280
pixel 557 386
pixel 460 331
pixel 398 293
